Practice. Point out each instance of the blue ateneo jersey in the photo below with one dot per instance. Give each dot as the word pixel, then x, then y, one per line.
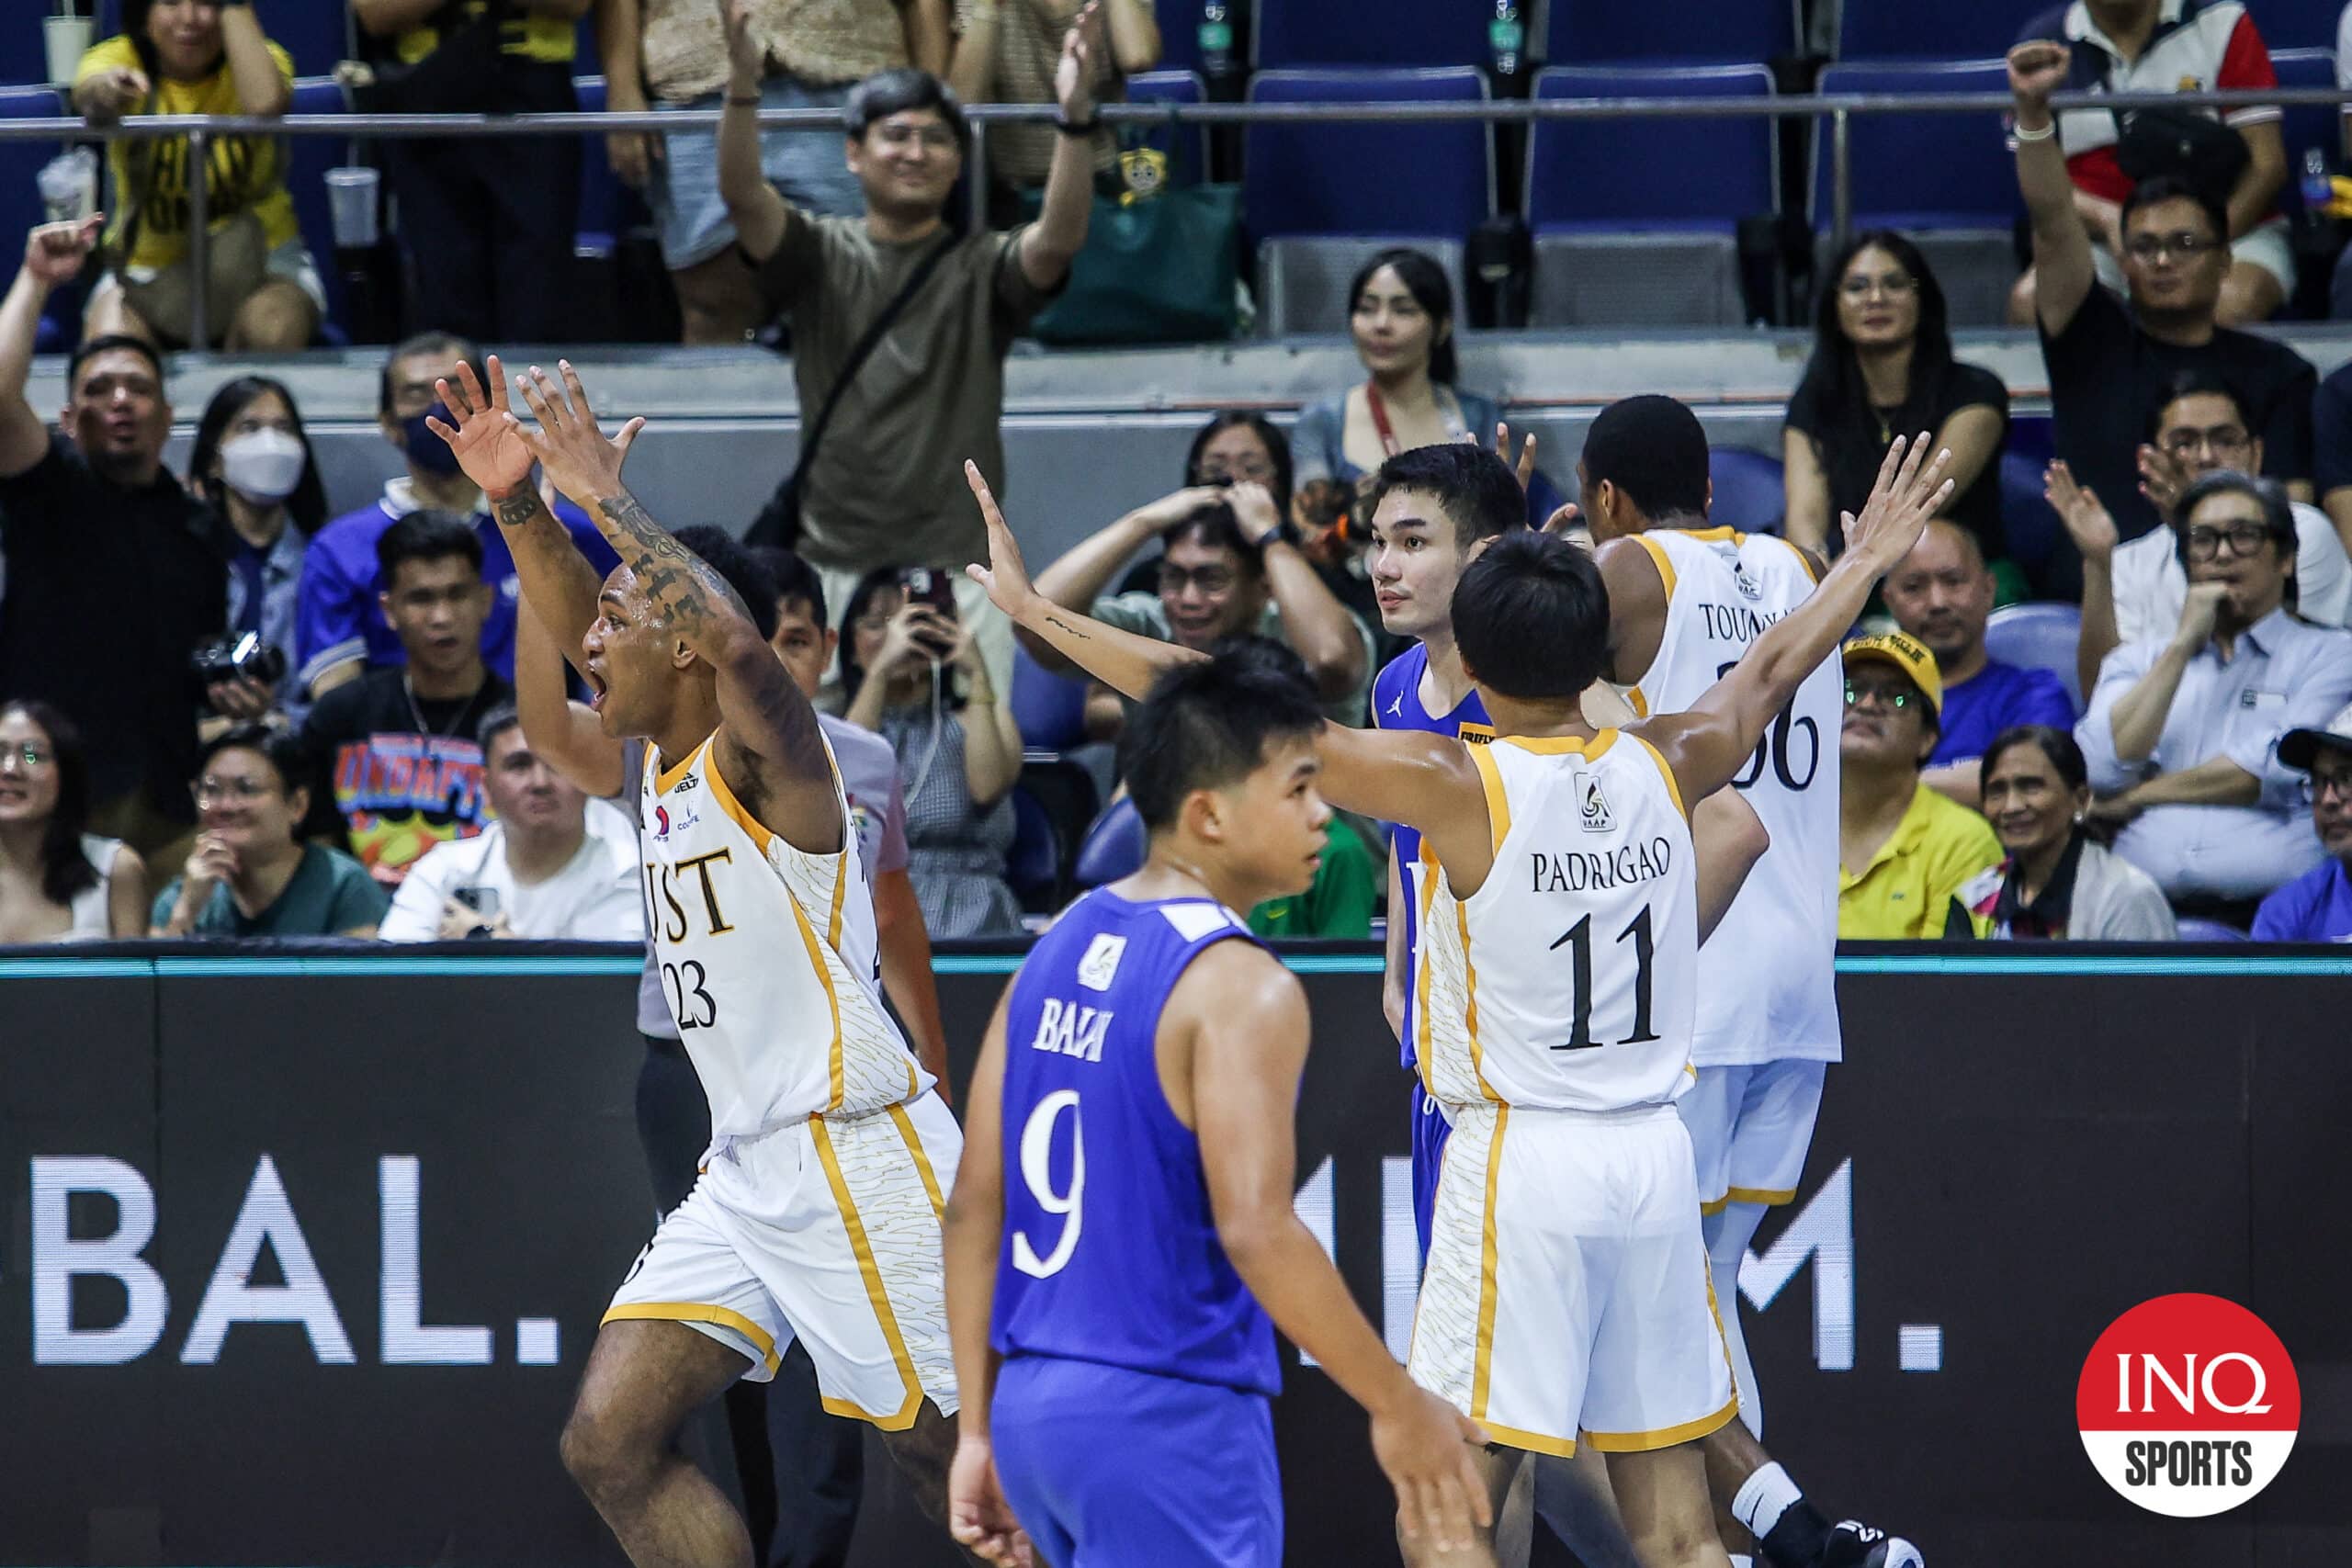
pixel 1397 704
pixel 1111 1252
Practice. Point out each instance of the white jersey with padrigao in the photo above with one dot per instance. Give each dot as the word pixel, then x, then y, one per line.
pixel 1564 982
pixel 1771 991
pixel 768 959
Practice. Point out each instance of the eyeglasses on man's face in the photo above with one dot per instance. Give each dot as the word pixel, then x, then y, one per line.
pixel 2245 540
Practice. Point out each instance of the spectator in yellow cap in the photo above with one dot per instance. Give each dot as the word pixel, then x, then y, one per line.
pixel 1907 857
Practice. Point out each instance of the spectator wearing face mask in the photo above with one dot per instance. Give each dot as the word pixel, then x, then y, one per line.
pixel 340 630
pixel 251 463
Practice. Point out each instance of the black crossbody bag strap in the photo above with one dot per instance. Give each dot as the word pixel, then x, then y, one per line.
pixel 779 522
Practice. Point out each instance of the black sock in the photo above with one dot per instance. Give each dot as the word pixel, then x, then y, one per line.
pixel 1797 1538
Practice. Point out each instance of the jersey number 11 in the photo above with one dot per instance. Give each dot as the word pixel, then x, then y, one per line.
pixel 1578 940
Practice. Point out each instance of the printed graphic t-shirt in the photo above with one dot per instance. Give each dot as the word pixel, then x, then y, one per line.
pixel 405 776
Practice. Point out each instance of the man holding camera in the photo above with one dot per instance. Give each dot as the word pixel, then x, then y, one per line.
pixel 112 578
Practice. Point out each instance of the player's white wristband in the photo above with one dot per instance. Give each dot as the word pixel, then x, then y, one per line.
pixel 2044 134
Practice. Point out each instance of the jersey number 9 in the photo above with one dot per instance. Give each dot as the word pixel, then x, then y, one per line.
pixel 1036 1170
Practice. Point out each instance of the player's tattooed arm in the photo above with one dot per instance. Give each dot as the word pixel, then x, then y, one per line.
pixel 496 455
pixel 1123 661
pixel 1708 746
pixel 781 769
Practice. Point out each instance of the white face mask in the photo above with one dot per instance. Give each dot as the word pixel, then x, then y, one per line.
pixel 263 464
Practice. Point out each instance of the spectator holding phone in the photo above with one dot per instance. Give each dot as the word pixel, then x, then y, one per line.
pixel 251 462
pixel 552 867
pixel 913 675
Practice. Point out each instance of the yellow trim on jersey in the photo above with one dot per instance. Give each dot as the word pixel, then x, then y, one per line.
pixel 1805 559
pixel 699 1312
pixel 759 832
pixel 1638 703
pixel 1476 734
pixel 1665 563
pixel 1482 1370
pixel 906 1125
pixel 1714 536
pixel 1498 803
pixel 903 1417
pixel 840 892
pixel 1667 774
pixel 1534 1442
pixel 1665 1437
pixel 1591 750
pixel 1768 1197
pixel 833 1086
pixel 664 779
pixel 1421 989
pixel 1707 1211
pixel 1470 1004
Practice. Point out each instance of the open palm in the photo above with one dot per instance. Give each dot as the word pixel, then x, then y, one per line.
pixel 489 445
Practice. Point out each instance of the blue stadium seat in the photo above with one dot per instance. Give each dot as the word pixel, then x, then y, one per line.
pixel 312 31
pixel 1050 709
pixel 1034 863
pixel 1113 847
pixel 1904 29
pixel 1588 30
pixel 1615 243
pixel 1963 217
pixel 2194 928
pixel 2032 536
pixel 1750 495
pixel 1321 198
pixel 2293 24
pixel 308 160
pixel 2307 125
pixel 1187 149
pixel 1370 32
pixel 2038 636
pixel 20 207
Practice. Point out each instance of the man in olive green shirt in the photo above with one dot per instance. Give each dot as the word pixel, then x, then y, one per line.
pixel 887 486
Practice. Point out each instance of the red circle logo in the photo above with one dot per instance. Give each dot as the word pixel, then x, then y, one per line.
pixel 2189 1405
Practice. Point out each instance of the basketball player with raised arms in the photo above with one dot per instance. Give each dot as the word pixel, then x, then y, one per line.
pixel 816 1213
pixel 1685 602
pixel 1110 1293
pixel 1566 1293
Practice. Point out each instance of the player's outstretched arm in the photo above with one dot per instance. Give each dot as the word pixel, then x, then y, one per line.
pixel 1728 839
pixel 561 733
pixel 1122 661
pixel 493 450
pixel 1247 1022
pixel 978 1515
pixel 1709 745
pixel 769 725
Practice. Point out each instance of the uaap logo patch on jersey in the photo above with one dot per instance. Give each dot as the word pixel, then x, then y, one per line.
pixel 1592 806
pixel 1101 964
pixel 1749 587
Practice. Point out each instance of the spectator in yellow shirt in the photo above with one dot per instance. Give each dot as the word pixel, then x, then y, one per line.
pixel 199 57
pixel 1908 858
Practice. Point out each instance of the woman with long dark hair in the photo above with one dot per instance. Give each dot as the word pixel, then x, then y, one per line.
pixel 58 881
pixel 911 674
pixel 1881 367
pixel 253 463
pixel 199 57
pixel 2056 882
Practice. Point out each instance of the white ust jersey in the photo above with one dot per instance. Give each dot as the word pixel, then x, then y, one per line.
pixel 1564 982
pixel 768 958
pixel 1771 991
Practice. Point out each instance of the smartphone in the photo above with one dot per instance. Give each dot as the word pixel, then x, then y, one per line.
pixel 482 901
pixel 924 586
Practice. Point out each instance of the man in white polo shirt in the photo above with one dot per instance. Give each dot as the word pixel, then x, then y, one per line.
pixel 554 866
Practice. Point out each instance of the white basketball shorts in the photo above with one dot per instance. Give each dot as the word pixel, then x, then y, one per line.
pixel 1566 1293
pixel 828 1231
pixel 1751 1126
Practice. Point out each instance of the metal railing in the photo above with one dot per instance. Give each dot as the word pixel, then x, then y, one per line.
pixel 1838 108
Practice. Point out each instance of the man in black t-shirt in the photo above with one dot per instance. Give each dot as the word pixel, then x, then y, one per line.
pixel 2106 363
pixel 112 577
pixel 403 744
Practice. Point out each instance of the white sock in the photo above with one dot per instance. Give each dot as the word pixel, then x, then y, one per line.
pixel 1763 1498
pixel 1729 1231
pixel 1739 1559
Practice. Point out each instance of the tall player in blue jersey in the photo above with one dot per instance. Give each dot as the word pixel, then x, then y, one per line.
pixel 1109 1306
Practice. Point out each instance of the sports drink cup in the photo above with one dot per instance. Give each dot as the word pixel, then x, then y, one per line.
pixel 69 185
pixel 351 204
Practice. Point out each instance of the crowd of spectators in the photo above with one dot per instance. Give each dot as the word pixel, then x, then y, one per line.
pixel 276 721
